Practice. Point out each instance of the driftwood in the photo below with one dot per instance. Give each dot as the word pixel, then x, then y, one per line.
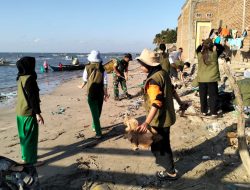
pixel 242 143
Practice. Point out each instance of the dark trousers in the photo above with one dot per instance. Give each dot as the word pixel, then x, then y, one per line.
pixel 209 89
pixel 162 150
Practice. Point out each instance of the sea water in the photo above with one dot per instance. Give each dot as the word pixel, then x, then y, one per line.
pixel 46 81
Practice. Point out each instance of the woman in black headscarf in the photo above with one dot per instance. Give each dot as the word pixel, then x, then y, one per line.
pixel 28 109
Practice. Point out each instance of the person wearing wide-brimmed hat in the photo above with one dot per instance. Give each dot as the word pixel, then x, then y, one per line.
pixel 95 77
pixel 158 97
pixel 120 76
pixel 208 76
pixel 28 109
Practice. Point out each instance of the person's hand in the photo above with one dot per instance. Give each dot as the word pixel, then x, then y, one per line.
pixel 39 119
pixel 143 128
pixel 126 77
pixel 79 86
pixel 106 97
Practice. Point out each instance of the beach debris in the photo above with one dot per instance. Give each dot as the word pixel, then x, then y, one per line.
pixel 206 157
pixel 80 135
pixel 60 110
pixel 232 139
pixel 214 127
pixel 17 176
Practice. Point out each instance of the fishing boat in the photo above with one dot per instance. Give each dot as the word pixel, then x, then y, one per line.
pixel 67 67
pixel 5 63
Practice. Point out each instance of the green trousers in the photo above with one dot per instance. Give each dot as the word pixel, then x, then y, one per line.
pixel 95 105
pixel 28 133
pixel 116 81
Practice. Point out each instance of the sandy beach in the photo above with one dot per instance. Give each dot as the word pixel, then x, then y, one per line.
pixel 75 160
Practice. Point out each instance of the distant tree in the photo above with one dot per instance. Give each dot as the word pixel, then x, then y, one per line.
pixel 166 36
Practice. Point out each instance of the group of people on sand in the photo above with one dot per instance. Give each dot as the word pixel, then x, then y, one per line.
pixel 158 93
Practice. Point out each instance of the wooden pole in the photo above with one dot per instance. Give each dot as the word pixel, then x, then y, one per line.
pixel 243 150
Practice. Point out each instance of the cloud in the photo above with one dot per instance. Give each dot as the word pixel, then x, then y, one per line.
pixel 36 40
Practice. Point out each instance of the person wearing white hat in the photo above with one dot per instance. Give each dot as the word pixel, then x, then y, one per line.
pixel 95 77
pixel 244 86
pixel 158 97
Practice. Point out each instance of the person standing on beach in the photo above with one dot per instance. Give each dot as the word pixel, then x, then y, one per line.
pixel 28 109
pixel 164 58
pixel 175 59
pixel 158 98
pixel 208 76
pixel 95 77
pixel 120 76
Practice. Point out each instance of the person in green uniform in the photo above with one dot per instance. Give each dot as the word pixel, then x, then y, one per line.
pixel 28 109
pixel 158 98
pixel 164 58
pixel 95 77
pixel 208 76
pixel 120 76
pixel 244 86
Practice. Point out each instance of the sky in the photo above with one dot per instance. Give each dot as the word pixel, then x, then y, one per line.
pixel 83 25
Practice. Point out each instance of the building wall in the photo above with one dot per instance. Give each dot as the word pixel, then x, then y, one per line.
pixel 183 28
pixel 219 13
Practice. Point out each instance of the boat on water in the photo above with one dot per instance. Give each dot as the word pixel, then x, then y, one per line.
pixel 3 62
pixel 67 67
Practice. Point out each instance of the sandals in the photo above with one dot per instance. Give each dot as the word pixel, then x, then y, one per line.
pixel 163 175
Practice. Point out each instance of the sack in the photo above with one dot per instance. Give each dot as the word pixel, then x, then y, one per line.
pixel 17 176
pixel 109 66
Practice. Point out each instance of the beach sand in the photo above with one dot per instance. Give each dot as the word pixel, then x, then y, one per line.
pixel 75 160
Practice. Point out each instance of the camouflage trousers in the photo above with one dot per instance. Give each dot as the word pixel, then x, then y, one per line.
pixel 116 81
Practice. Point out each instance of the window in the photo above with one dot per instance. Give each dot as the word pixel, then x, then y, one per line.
pixel 198 15
pixel 209 15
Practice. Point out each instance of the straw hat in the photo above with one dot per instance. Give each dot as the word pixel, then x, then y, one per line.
pixel 150 58
pixel 94 56
pixel 247 74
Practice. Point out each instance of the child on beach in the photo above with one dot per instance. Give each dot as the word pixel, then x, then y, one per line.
pixel 28 109
pixel 95 77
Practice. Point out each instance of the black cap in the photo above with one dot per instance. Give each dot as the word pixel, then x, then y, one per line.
pixel 128 55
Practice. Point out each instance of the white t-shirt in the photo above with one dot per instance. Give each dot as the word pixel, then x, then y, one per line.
pixel 174 56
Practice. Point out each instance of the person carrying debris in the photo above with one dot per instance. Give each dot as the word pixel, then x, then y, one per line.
pixel 95 77
pixel 28 109
pixel 208 76
pixel 120 76
pixel 244 86
pixel 164 58
pixel 158 97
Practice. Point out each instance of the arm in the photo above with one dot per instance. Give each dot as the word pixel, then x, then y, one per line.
pixel 105 82
pixel 84 78
pixel 32 91
pixel 155 96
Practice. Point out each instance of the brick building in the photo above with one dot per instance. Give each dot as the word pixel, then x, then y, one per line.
pixel 198 17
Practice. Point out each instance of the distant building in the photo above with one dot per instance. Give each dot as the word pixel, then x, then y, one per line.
pixel 198 17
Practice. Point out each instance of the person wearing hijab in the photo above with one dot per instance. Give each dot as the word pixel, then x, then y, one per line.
pixel 28 109
pixel 95 77
pixel 208 76
pixel 158 97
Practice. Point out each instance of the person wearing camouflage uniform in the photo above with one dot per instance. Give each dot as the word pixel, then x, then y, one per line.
pixel 120 76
